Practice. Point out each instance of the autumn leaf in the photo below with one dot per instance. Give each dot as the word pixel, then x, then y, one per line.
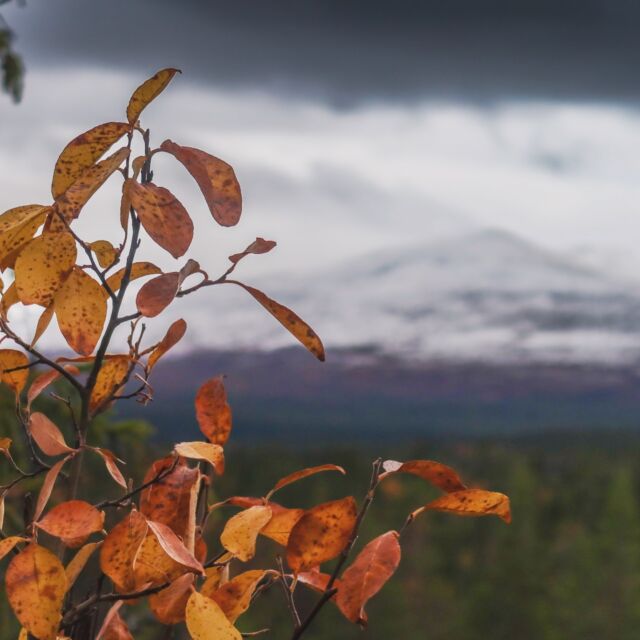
pixel 471 502
pixel 213 412
pixel 216 180
pixel 114 628
pixel 321 534
pixel 44 380
pixel 110 460
pixel 17 227
pixel 174 334
pixel 120 549
pixel 293 323
pixel 79 561
pixel 36 585
pixel 105 252
pixel 47 486
pixel 81 310
pixel 317 580
pixel 304 473
pixel 439 475
pixel 163 217
pixel 169 605
pixel 148 91
pixel 368 573
pixel 15 380
pixel 110 378
pixel 157 294
pixel 241 531
pixel 212 453
pixel 234 597
pixel 258 246
pixel 206 620
pixel 9 298
pixel 43 323
pixel 174 547
pixel 8 544
pixel 47 435
pixel 82 152
pixel 153 566
pixel 138 270
pixel 72 520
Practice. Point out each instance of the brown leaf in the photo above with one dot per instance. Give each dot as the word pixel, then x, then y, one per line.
pixel 174 334
pixel 79 561
pixel 72 520
pixel 17 227
pixel 304 473
pixel 258 246
pixel 213 412
pixel 7 544
pixel 43 265
pixel 36 585
pixel 120 549
pixel 82 152
pixel 169 605
pixel 111 377
pixel 206 620
pixel 439 475
pixel 81 310
pixel 471 502
pixel 368 573
pixel 163 217
pixel 47 435
pixel 317 580
pixel 289 320
pixel 241 531
pixel 110 460
pixel 105 252
pixel 47 486
pixel 138 270
pixel 157 294
pixel 212 453
pixel 15 380
pixel 148 91
pixel 234 597
pixel 216 180
pixel 321 534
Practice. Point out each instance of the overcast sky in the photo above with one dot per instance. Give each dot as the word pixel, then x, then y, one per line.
pixel 354 125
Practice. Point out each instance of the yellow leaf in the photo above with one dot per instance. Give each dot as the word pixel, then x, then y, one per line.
pixel 18 225
pixel 43 265
pixel 148 91
pixel 111 377
pixel 241 531
pixel 206 620
pixel 7 544
pixel 212 453
pixel 138 270
pixel 43 323
pixel 105 252
pixel 10 359
pixel 79 561
pixel 471 502
pixel 81 310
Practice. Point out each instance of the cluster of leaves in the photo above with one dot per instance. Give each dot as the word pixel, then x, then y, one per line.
pixel 155 543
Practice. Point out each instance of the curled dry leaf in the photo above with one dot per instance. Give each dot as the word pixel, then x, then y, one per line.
pixel 138 270
pixel 174 547
pixel 111 377
pixel 321 534
pixel 163 217
pixel 43 265
pixel 169 605
pixel 471 502
pixel 79 561
pixel 47 486
pixel 317 580
pixel 234 597
pixel 293 323
pixel 72 520
pixel 439 475
pixel 368 573
pixel 36 585
pixel 212 453
pixel 11 359
pixel 241 531
pixel 216 180
pixel 148 91
pixel 206 620
pixel 8 544
pixel 258 246
pixel 47 435
pixel 304 473
pixel 82 152
pixel 110 460
pixel 174 334
pixel 44 380
pixel 213 412
pixel 17 227
pixel 105 252
pixel 81 310
pixel 120 549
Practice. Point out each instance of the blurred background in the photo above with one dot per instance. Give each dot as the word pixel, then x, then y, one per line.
pixel 454 191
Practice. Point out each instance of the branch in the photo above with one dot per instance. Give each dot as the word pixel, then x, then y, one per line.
pixel 288 595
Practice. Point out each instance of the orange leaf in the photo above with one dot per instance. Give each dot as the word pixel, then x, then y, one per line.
pixel 163 217
pixel 120 549
pixel 47 486
pixel 316 580
pixel 212 453
pixel 105 252
pixel 439 475
pixel 304 473
pixel 109 460
pixel 216 180
pixel 18 225
pixel 368 573
pixel 241 531
pixel 148 91
pixel 72 520
pixel 138 270
pixel 43 323
pixel 115 628
pixel 169 605
pixel 174 334
pixel 47 435
pixel 9 298
pixel 79 561
pixel 213 412
pixel 234 597
pixel 258 246
pixel 7 544
pixel 157 294
pixel 153 566
pixel 43 265
pixel 471 502
pixel 15 380
pixel 321 534
pixel 206 620
pixel 36 585
pixel 174 547
pixel 82 152
pixel 81 310
pixel 293 323
pixel 111 377
pixel 44 380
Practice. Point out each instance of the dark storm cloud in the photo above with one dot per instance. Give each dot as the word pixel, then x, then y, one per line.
pixel 352 50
